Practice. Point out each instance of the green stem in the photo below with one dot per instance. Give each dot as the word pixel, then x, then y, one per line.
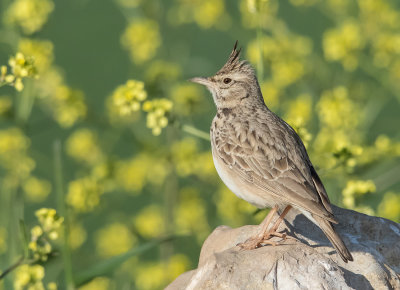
pixel 66 252
pixel 196 132
pixel 26 100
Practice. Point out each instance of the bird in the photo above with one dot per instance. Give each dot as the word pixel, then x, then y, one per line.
pixel 260 157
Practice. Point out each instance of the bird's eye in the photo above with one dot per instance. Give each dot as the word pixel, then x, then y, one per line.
pixel 227 80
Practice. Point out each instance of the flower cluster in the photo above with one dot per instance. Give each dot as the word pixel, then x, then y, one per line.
pixel 50 224
pixel 29 15
pixel 154 275
pixel 206 14
pixel 344 44
pixel 127 98
pixel 356 188
pixel 21 67
pixel 29 277
pixel 114 239
pixel 142 39
pixel 157 114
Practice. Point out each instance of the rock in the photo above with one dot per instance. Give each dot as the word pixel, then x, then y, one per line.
pixel 308 263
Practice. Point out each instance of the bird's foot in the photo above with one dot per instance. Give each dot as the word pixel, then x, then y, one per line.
pixel 260 241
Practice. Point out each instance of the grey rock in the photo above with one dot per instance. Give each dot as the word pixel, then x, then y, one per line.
pixel 310 262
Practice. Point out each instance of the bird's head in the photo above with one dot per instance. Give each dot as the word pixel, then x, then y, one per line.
pixel 234 84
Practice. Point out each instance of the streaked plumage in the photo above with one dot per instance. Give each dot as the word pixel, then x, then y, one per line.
pixel 258 155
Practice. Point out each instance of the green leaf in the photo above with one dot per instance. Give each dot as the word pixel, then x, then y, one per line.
pixel 108 266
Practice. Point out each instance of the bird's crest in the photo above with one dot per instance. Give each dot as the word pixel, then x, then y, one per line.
pixel 234 64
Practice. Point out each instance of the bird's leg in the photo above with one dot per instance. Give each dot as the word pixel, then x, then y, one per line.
pixel 254 242
pixel 272 232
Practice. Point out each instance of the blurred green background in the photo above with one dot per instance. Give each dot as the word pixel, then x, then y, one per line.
pixel 99 123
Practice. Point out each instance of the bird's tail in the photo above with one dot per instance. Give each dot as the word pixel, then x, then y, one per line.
pixel 334 238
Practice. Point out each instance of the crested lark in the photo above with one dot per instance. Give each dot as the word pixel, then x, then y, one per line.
pixel 261 158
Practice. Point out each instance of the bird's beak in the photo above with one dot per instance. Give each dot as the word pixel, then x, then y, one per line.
pixel 202 81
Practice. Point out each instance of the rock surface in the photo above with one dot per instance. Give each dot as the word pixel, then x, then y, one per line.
pixel 309 263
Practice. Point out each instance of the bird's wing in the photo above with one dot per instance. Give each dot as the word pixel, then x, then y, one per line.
pixel 274 159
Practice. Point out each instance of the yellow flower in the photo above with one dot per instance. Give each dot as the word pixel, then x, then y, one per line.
pixel 190 215
pixel 30 15
pixel 337 110
pixel 36 190
pixel 205 13
pixel 157 111
pixel 99 283
pixel 343 44
pixel 176 265
pixel 29 277
pixel 77 235
pixel 390 206
pixel 40 50
pixel 82 145
pixel 49 220
pixel 114 239
pixel 142 39
pixel 84 194
pixel 151 276
pixel 127 98
pixel 149 222
pixel 52 286
pixel 355 188
pixel 132 175
pixel 13 153
pixel 21 67
pixel 68 106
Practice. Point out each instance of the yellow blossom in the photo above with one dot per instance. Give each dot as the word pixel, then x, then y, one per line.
pixel 40 50
pixel 77 235
pixel 355 188
pixel 68 106
pixel 21 67
pixel 82 145
pixel 190 214
pixel 134 174
pixel 142 39
pixel 36 190
pixel 13 153
pixel 149 222
pixel 157 114
pixel 151 276
pixel 30 15
pixel 127 98
pixel 205 13
pixel 29 277
pixel 84 194
pixel 176 265
pixel 337 110
pixel 99 283
pixel 114 239
pixel 343 44
pixel 49 220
